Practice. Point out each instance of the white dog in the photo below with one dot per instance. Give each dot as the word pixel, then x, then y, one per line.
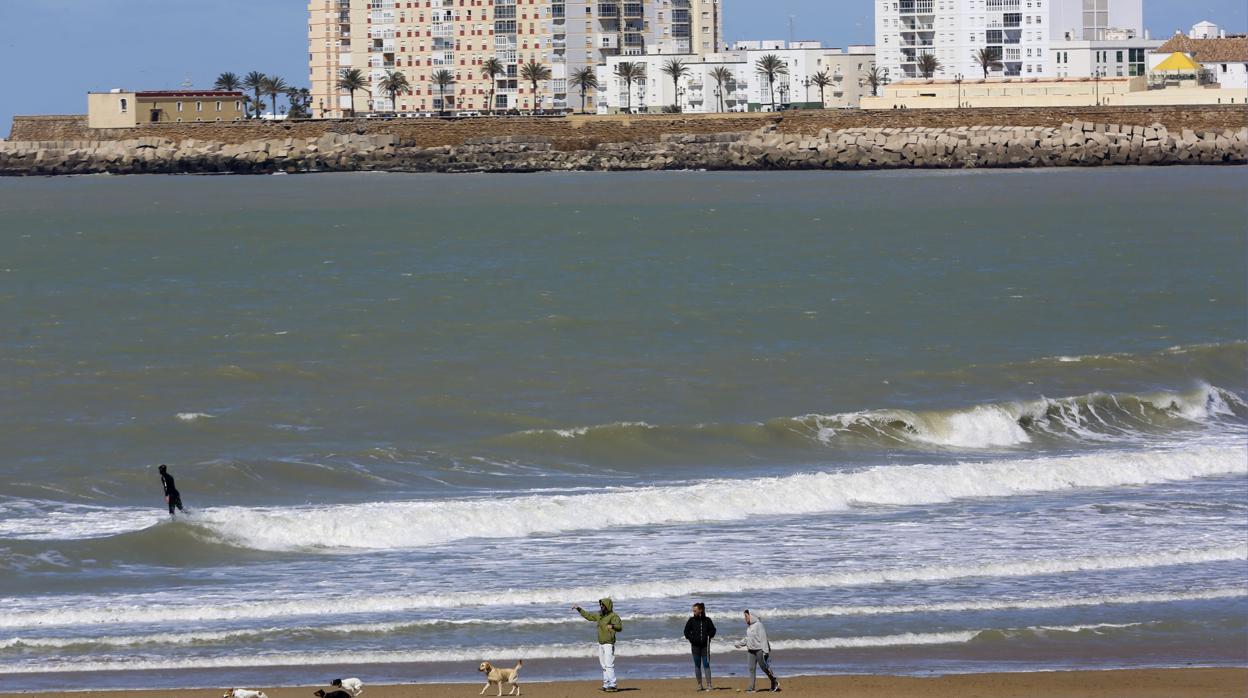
pixel 499 676
pixel 353 686
pixel 243 693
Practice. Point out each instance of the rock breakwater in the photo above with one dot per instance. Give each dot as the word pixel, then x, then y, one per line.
pixel 1075 144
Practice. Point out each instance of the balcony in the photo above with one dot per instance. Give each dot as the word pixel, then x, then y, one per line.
pixel 911 7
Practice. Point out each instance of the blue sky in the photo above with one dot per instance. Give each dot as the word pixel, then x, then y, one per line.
pixel 86 45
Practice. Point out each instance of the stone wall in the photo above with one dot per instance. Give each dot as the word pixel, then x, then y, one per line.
pixel 581 132
pixel 1071 144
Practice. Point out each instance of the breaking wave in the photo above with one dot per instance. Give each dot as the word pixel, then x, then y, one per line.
pixel 141 612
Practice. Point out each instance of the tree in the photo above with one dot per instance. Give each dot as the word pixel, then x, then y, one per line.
pixel 254 81
pixel 394 83
pixel 822 80
pixel 273 87
pixel 584 79
pixel 300 103
pixel 443 79
pixel 628 73
pixel 771 66
pixel 722 76
pixel 352 79
pixel 490 70
pixel 228 82
pixel 876 77
pixel 987 59
pixel 928 64
pixel 534 72
pixel 676 69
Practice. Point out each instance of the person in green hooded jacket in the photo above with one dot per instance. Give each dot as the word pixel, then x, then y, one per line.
pixel 609 624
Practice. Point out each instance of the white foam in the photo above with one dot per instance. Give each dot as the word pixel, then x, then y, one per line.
pixel 397 525
pixel 140 612
pixel 193 416
pixel 625 648
pixel 357 629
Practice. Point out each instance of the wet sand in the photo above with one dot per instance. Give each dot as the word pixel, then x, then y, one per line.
pixel 1141 683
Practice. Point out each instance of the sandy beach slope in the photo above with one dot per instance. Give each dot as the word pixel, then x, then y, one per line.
pixel 1143 683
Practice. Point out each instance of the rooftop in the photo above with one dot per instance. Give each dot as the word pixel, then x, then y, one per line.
pixel 1231 49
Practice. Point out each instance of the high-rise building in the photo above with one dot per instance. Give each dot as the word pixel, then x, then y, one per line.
pixel 1016 33
pixel 420 38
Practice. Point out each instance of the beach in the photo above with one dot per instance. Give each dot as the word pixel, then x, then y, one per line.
pixel 1144 683
pixel 919 423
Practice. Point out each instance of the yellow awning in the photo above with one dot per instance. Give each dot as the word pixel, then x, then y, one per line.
pixel 1178 62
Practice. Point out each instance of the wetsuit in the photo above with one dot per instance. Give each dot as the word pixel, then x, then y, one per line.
pixel 171 492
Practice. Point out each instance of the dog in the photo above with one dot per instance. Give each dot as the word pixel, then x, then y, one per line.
pixel 243 693
pixel 339 693
pixel 499 676
pixel 353 686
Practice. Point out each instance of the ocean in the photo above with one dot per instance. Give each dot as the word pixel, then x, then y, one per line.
pixel 917 421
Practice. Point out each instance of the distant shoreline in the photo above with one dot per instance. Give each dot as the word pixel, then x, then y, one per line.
pixel 1126 683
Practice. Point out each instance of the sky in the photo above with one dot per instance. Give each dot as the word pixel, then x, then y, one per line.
pixel 85 45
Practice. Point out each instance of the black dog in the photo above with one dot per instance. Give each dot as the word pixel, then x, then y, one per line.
pixel 332 694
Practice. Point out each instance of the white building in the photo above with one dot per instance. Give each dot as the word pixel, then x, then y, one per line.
pixel 1019 33
pixel 1223 59
pixel 747 89
pixel 1113 58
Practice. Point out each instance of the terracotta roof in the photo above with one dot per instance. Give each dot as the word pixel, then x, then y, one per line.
pixel 1208 50
pixel 189 93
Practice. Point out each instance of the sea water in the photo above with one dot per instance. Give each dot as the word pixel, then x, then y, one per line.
pixel 917 421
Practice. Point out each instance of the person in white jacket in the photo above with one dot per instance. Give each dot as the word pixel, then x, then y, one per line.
pixel 756 644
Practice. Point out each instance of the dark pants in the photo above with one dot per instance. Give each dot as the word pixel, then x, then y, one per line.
pixel 701 660
pixel 175 500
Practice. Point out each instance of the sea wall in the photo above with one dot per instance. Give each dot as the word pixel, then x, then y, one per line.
pixel 582 132
pixel 1073 144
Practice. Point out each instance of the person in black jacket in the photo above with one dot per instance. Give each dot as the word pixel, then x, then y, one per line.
pixel 699 631
pixel 172 497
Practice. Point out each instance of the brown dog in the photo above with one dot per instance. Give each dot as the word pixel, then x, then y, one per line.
pixel 499 676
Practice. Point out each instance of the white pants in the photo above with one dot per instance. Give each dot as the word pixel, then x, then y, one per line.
pixel 606 657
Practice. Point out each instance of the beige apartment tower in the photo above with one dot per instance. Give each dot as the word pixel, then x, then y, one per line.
pixel 421 37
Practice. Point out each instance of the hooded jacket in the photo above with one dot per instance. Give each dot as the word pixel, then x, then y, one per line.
pixel 609 623
pixel 699 630
pixel 756 636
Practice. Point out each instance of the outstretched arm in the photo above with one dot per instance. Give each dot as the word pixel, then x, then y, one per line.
pixel 587 615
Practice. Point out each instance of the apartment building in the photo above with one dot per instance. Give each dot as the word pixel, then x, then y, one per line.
pixel 422 37
pixel 1018 33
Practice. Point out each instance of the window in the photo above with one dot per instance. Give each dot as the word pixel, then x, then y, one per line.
pixel 125 103
pixel 218 106
pixel 199 106
pixel 179 108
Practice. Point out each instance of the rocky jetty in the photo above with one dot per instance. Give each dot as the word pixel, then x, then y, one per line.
pixel 1075 144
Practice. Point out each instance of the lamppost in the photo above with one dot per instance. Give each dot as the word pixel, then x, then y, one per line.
pixel 1096 82
pixel 784 94
pixel 680 99
pixel 958 79
pixel 806 84
pixel 718 95
pixel 322 103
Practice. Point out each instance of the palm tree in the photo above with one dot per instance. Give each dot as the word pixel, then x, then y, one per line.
pixel 443 79
pixel 300 99
pixel 352 79
pixel 490 70
pixel 534 72
pixel 822 80
pixel 394 83
pixel 273 87
pixel 722 76
pixel 228 82
pixel 771 66
pixel 877 77
pixel 928 64
pixel 628 73
pixel 987 59
pixel 254 81
pixel 585 79
pixel 676 69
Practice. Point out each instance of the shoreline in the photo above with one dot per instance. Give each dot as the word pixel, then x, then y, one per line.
pixel 1197 682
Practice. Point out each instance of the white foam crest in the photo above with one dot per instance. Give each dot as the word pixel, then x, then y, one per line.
pixel 574 432
pixel 38 520
pixel 193 416
pixel 337 605
pixel 398 525
pixel 192 638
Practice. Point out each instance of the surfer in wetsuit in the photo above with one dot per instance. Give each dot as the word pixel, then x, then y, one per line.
pixel 172 497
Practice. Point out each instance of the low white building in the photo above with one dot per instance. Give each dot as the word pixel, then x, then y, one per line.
pixel 1224 59
pixel 747 89
pixel 1119 57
